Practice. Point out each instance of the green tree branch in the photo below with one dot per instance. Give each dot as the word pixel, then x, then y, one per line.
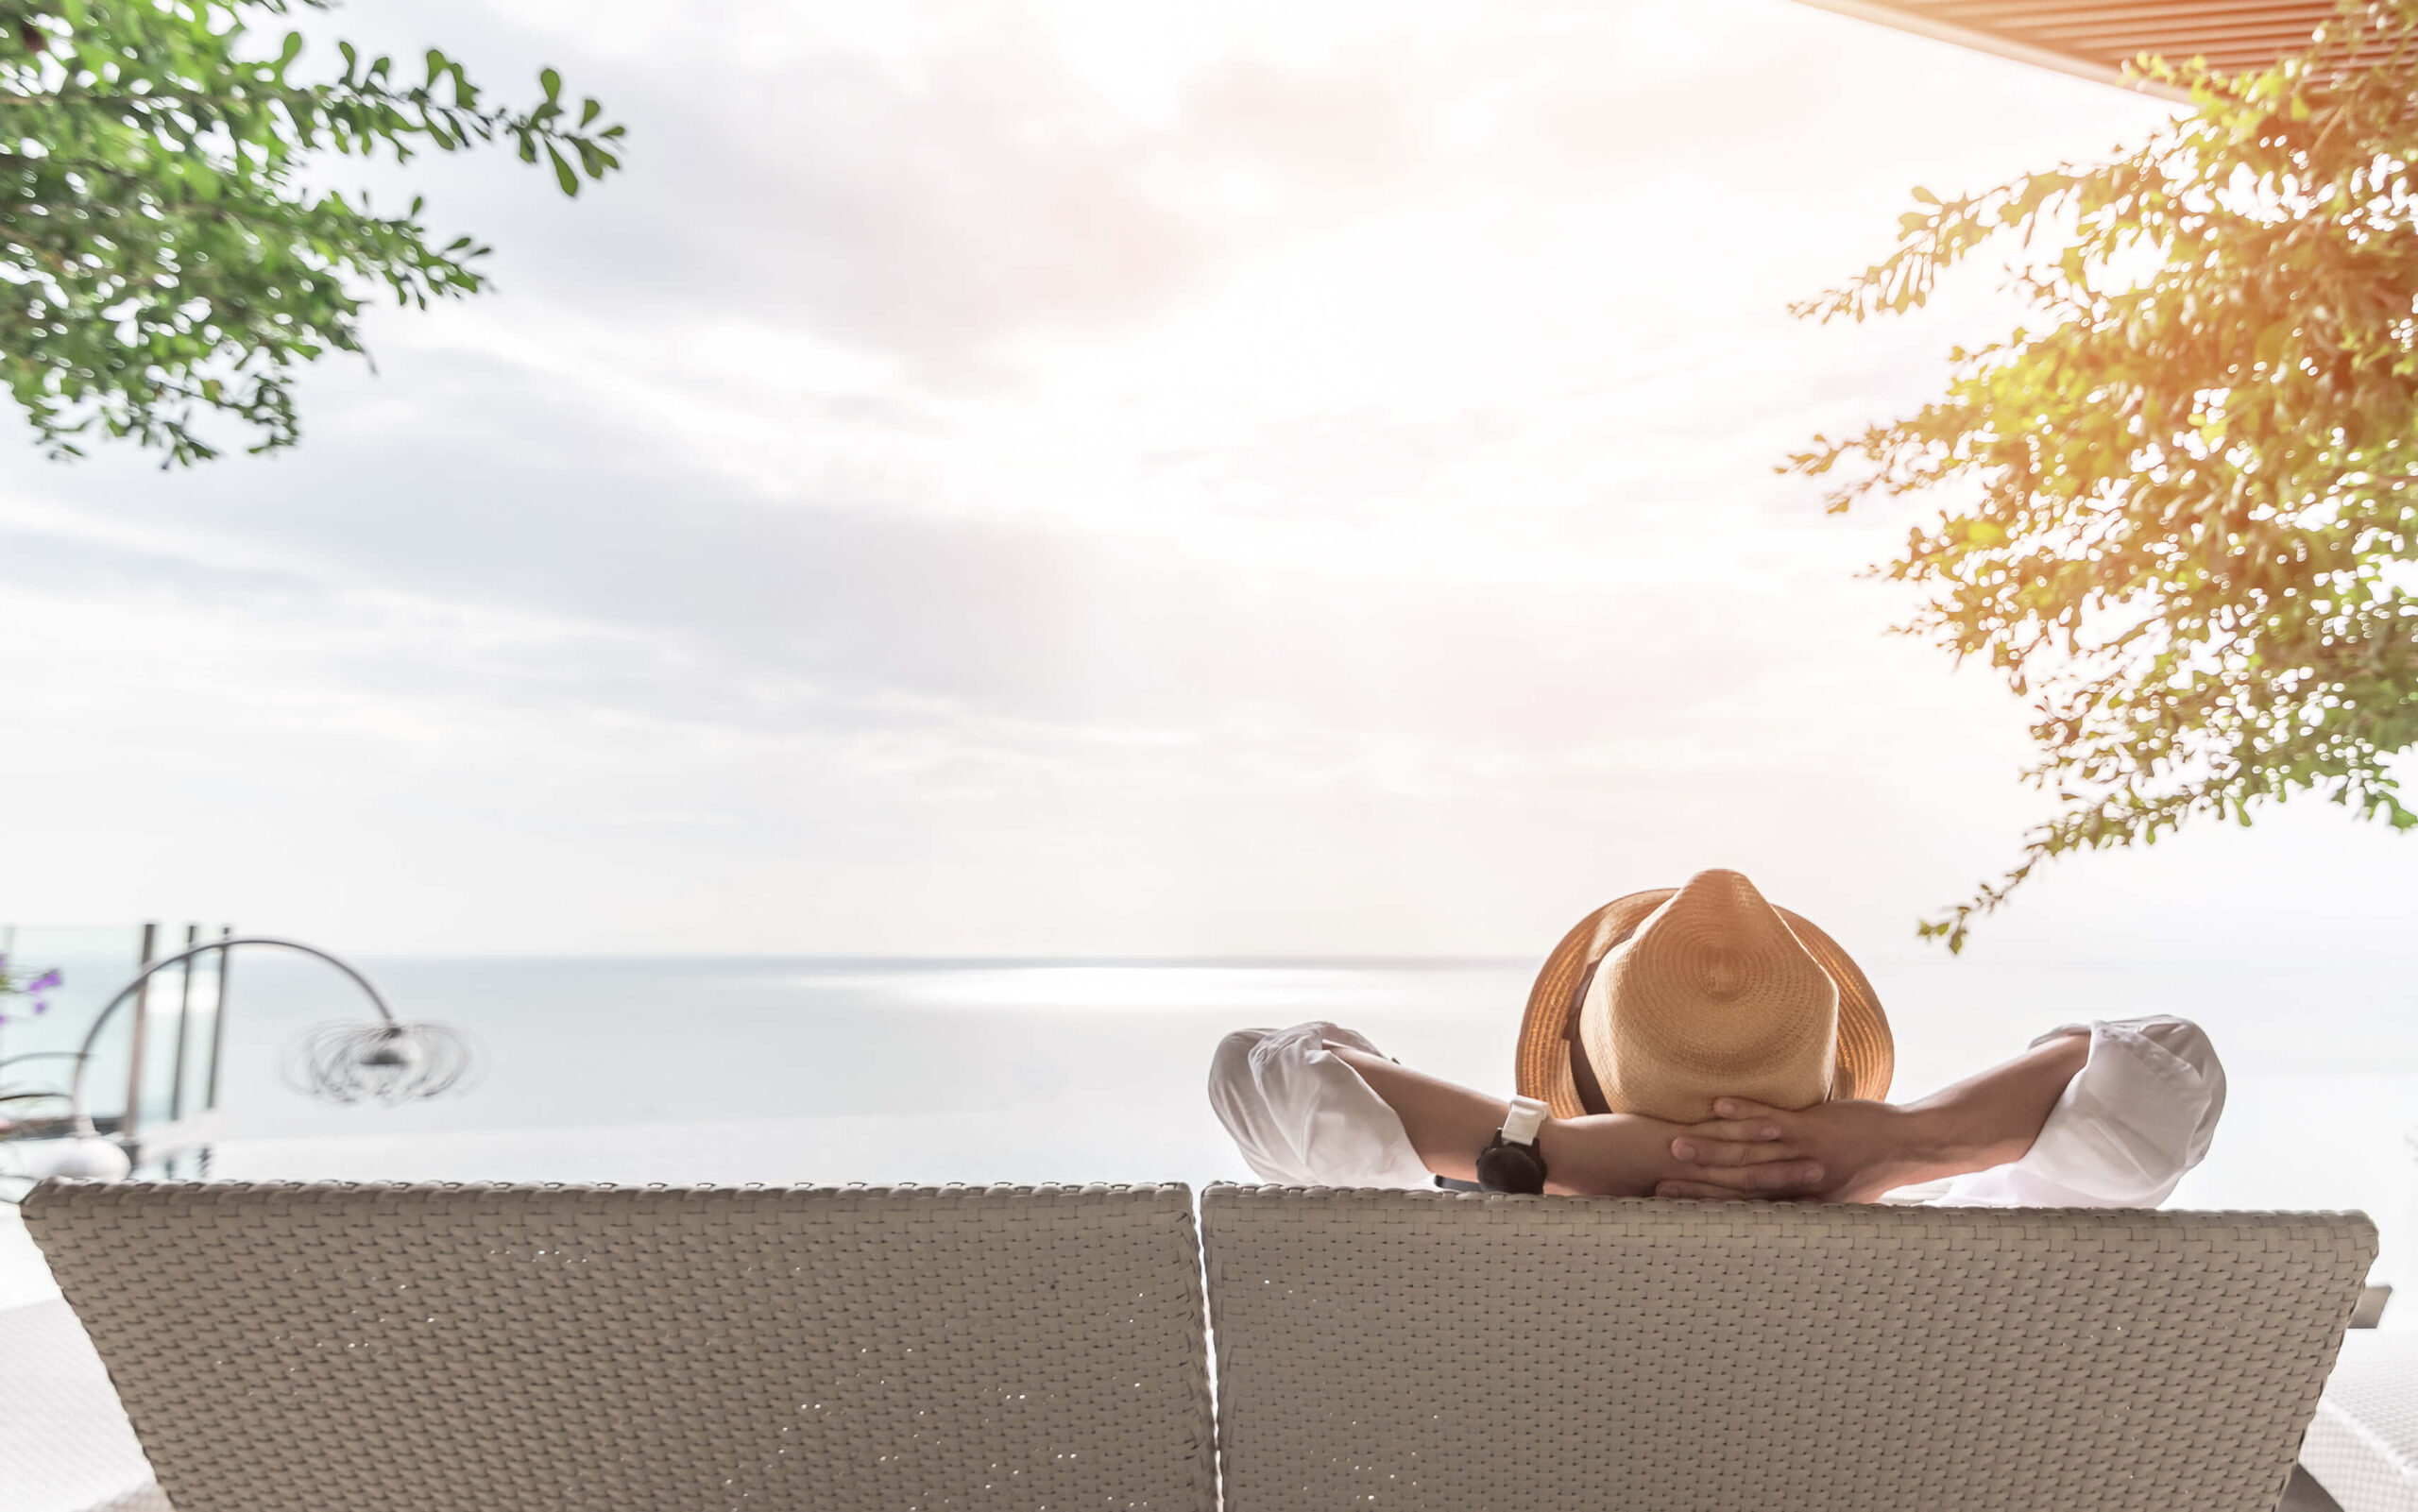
pixel 160 267
pixel 2192 516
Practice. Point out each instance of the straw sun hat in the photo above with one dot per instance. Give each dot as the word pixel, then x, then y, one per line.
pixel 1660 1002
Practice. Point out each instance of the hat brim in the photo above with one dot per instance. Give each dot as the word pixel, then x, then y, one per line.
pixel 1868 1056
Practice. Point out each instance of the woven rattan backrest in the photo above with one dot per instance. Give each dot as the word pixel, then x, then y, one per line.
pixel 1437 1351
pixel 357 1348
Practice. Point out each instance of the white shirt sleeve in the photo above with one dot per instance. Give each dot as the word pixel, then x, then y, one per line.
pixel 2132 1122
pixel 2134 1118
pixel 1303 1117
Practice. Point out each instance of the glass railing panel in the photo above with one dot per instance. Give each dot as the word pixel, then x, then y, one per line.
pixel 92 962
pixel 191 1075
pixel 168 1012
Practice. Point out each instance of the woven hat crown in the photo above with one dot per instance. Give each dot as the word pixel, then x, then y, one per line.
pixel 1712 995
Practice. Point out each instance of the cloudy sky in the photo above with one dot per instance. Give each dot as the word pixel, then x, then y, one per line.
pixel 1204 479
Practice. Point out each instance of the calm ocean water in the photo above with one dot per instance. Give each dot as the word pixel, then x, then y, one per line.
pixel 822 1070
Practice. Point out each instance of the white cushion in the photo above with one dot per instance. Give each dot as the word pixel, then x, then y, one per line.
pixel 65 1445
pixel 2362 1446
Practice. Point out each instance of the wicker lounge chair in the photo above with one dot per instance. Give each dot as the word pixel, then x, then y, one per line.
pixel 294 1349
pixel 1438 1350
pixel 440 1349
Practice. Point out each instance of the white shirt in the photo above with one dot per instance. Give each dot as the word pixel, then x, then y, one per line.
pixel 2134 1118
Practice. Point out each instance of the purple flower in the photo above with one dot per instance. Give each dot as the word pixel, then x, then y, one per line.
pixel 46 981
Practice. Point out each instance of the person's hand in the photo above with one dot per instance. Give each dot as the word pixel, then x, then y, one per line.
pixel 1848 1150
pixel 1626 1155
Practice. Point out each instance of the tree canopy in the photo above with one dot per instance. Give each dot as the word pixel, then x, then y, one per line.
pixel 2181 509
pixel 162 264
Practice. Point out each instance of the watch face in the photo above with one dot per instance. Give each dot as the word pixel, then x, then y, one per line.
pixel 1503 1166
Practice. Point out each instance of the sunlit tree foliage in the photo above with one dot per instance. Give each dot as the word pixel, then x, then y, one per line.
pixel 2178 508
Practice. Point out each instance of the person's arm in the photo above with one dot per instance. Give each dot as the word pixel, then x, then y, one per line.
pixel 1602 1155
pixel 1866 1148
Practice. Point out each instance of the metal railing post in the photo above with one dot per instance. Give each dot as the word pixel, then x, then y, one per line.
pixel 218 1016
pixel 127 1126
pixel 184 1016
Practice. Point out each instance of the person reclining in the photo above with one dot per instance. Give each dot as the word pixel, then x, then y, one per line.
pixel 1699 1043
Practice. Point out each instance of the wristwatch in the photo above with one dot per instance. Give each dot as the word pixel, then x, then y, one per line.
pixel 1512 1162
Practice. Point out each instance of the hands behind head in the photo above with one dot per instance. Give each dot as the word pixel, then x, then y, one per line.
pixel 1629 1155
pixel 1848 1150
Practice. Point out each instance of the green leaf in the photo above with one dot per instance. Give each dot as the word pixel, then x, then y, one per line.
pixel 552 82
pixel 2268 348
pixel 564 175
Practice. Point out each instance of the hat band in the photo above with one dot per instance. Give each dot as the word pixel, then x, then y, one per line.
pixel 1582 1071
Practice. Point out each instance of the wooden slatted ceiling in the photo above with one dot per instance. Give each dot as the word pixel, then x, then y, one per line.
pixel 2098 37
